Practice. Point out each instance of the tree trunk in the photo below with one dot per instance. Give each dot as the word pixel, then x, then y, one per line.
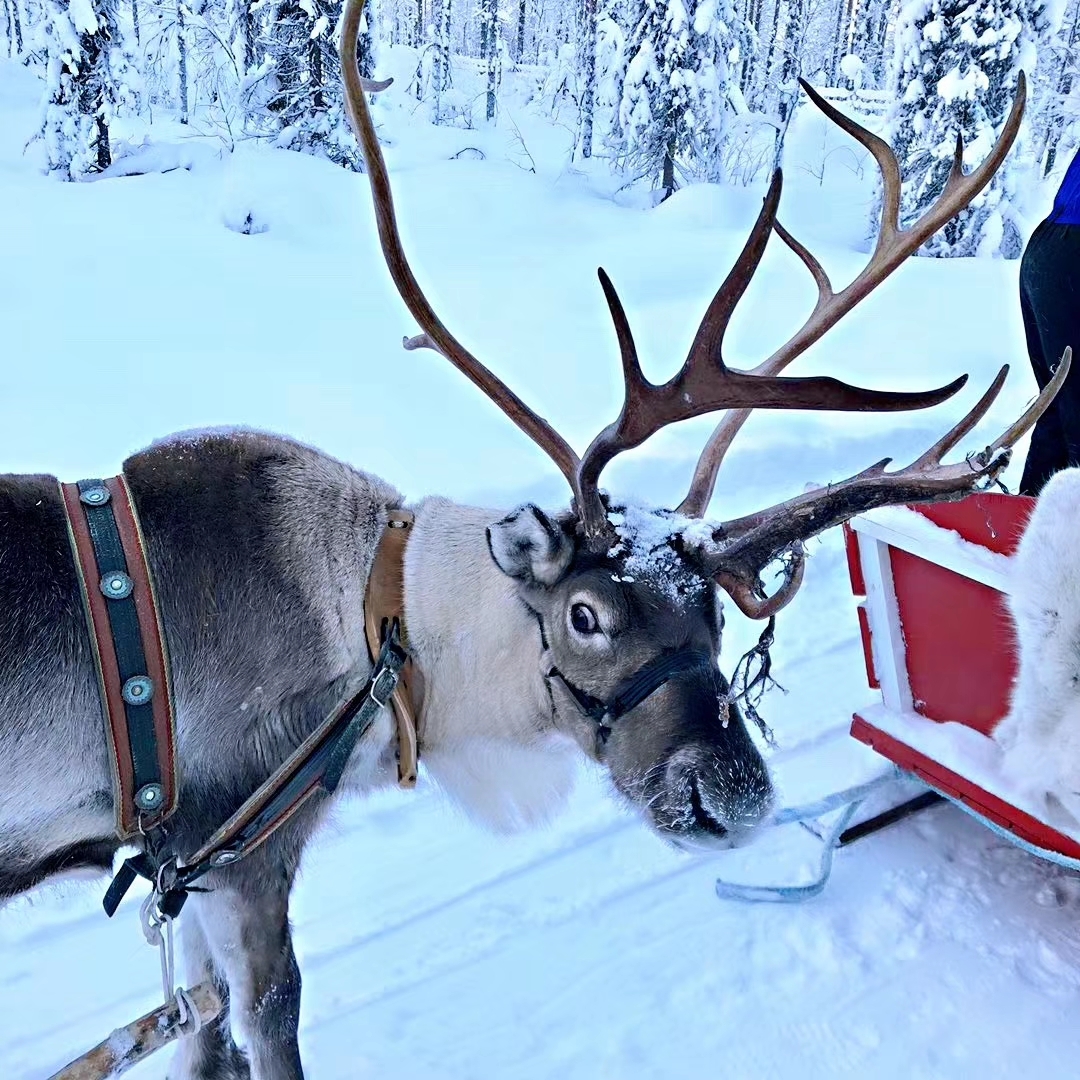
pixel 1064 88
pixel 247 36
pixel 181 49
pixel 588 75
pixel 135 19
pixel 15 38
pixel 315 75
pixel 793 41
pixel 753 18
pixel 519 58
pixel 770 67
pixel 365 45
pixel 90 92
pixel 843 27
pixel 667 179
pixel 489 48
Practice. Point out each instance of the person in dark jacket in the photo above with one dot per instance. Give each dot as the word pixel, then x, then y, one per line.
pixel 1050 303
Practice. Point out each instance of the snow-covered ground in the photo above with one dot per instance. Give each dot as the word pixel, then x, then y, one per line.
pixel 586 949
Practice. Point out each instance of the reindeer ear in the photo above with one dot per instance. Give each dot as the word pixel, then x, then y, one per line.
pixel 530 546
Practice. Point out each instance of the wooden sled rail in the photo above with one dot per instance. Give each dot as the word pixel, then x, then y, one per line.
pixel 127 1046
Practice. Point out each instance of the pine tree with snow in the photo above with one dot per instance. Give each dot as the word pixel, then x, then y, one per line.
pixel 869 39
pixel 90 77
pixel 672 111
pixel 611 62
pixel 586 52
pixel 1056 108
pixel 241 32
pixel 296 91
pixel 434 75
pixel 956 65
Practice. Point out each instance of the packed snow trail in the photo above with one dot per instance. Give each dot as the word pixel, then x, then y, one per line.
pixel 585 950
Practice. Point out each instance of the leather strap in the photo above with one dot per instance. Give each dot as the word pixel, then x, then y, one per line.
pixel 129 649
pixel 318 762
pixel 384 601
pixel 320 759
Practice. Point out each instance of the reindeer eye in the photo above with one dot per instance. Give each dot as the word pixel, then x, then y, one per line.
pixel 583 619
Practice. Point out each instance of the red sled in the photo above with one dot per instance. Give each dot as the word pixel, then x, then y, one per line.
pixel 931 584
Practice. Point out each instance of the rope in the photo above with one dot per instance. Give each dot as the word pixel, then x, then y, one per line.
pixel 191 1021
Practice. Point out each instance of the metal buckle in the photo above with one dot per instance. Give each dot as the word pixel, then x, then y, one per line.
pixel 383 687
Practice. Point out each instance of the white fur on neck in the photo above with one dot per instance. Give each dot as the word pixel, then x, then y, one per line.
pixel 488 739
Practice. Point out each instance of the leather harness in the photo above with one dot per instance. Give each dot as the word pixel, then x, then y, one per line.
pixel 133 671
pixel 129 650
pixel 132 664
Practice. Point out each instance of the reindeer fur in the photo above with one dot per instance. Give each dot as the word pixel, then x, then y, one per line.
pixel 260 550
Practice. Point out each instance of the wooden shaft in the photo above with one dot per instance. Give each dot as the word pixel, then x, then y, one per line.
pixel 127 1046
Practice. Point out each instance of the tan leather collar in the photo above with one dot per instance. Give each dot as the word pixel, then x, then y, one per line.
pixel 385 600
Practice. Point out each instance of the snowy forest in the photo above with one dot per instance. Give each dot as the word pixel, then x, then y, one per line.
pixel 667 91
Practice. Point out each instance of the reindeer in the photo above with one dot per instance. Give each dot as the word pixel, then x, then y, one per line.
pixel 536 637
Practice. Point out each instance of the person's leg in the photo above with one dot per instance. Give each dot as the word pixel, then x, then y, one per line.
pixel 1050 305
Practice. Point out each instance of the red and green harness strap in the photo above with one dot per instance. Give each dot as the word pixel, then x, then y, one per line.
pixel 129 650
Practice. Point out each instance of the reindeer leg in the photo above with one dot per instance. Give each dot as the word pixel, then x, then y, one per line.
pixel 245 920
pixel 212 1054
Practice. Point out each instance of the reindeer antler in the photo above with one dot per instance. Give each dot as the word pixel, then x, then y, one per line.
pixel 704 383
pixel 741 549
pixel 744 546
pixel 893 246
pixel 435 335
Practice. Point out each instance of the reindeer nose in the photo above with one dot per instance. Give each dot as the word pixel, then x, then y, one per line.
pixel 717 799
pixel 737 806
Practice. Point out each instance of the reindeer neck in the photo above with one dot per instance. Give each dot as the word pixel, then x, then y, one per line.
pixel 487 733
pixel 475 644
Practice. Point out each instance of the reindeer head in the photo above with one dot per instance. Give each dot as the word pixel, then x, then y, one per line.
pixel 630 636
pixel 627 603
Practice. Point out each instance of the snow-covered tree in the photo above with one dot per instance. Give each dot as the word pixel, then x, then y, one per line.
pixel 1056 112
pixel 671 114
pixel 240 33
pixel 586 51
pixel 956 66
pixel 180 28
pixel 90 77
pixel 611 61
pixel 490 51
pixel 13 19
pixel 434 76
pixel 296 90
pixel 868 40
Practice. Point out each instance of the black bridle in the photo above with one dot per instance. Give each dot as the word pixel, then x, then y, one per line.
pixel 634 689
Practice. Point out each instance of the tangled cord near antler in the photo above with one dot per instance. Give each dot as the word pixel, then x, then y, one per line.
pixel 750 681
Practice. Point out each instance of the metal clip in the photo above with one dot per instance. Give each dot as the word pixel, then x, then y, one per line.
pixel 383 688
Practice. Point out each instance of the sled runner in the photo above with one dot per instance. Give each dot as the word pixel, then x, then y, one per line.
pixel 930 584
